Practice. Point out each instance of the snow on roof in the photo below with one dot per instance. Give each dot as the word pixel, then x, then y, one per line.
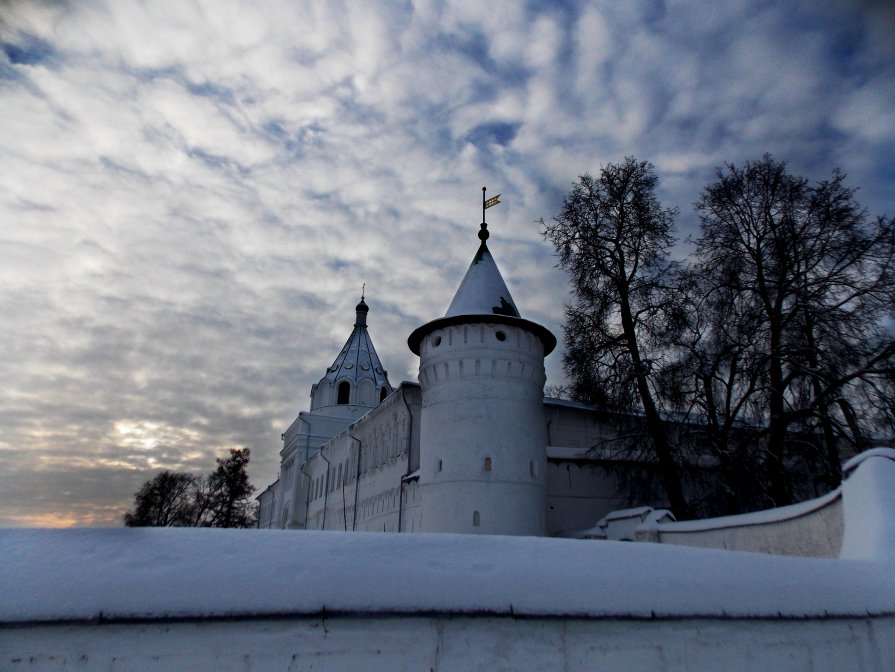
pixel 120 574
pixel 483 291
pixel 568 403
pixel 568 453
pixel 634 512
pixel 482 297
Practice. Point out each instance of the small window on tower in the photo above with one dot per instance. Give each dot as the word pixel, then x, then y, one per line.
pixel 501 336
pixel 439 466
pixel 344 392
pixel 531 469
pixel 383 394
pixel 487 464
pixel 476 519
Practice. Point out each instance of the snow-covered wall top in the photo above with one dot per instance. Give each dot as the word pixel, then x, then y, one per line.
pixel 97 574
pixel 868 493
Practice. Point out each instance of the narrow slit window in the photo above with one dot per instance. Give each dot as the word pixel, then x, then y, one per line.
pixel 476 519
pixel 344 392
pixel 487 464
pixel 439 466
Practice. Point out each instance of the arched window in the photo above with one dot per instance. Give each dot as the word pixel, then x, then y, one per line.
pixel 344 391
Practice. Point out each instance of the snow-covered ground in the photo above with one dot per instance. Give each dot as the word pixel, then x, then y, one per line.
pixel 89 574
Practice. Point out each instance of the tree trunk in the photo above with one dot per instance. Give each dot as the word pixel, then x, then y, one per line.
pixel 777 490
pixel 668 469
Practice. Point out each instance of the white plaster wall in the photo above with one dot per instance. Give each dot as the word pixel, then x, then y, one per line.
pixel 570 425
pixel 266 506
pixel 380 448
pixel 483 401
pixel 307 433
pixel 868 498
pixel 443 644
pixel 816 533
pixel 578 495
pixel 310 430
pixel 579 491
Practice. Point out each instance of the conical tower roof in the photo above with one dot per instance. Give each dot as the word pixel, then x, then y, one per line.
pixel 482 297
pixel 356 379
pixel 358 359
pixel 483 291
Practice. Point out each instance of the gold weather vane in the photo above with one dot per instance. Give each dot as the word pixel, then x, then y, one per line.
pixel 488 203
pixel 491 202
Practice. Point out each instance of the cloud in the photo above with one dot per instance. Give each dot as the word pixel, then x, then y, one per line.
pixel 194 193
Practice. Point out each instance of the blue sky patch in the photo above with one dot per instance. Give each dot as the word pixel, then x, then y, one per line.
pixel 30 51
pixel 493 132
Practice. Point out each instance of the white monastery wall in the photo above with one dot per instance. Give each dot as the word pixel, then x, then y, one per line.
pixel 814 530
pixel 579 490
pixel 579 493
pixel 443 644
pixel 305 436
pixel 571 424
pixel 266 505
pixel 279 504
pixel 359 481
pixel 856 521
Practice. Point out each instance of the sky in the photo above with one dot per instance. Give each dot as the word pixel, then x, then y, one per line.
pixel 192 194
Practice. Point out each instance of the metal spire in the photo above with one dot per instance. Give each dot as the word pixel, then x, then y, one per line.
pixel 486 203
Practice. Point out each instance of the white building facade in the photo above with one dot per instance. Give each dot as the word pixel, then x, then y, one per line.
pixel 473 448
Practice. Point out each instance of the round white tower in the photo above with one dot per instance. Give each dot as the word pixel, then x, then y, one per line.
pixel 482 431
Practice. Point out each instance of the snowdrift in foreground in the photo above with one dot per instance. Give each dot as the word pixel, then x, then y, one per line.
pixel 90 574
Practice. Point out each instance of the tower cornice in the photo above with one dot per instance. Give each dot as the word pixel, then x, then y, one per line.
pixel 545 335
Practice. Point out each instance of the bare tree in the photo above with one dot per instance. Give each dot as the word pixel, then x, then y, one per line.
pixel 796 281
pixel 224 498
pixel 176 499
pixel 612 237
pixel 713 385
pixel 168 500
